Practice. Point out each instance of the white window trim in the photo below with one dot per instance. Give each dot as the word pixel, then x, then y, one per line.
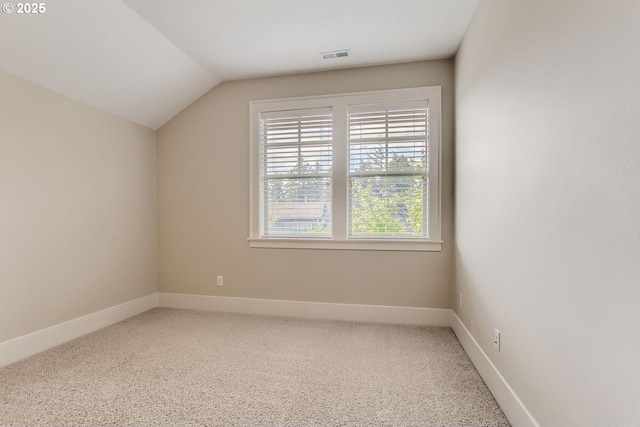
pixel 339 104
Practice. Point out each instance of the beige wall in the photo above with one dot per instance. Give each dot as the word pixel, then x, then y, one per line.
pixel 77 209
pixel 203 203
pixel 548 202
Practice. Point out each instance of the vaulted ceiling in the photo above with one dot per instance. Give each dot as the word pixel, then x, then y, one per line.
pixel 146 60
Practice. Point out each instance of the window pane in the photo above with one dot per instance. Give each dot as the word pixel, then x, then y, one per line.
pixel 297 155
pixel 298 160
pixel 297 207
pixel 388 156
pixel 387 206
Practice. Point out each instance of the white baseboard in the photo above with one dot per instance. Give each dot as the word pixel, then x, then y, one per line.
pixel 35 342
pixel 315 310
pixel 27 345
pixel 511 405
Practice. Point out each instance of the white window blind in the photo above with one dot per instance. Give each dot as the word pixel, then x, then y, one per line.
pixel 295 167
pixel 388 170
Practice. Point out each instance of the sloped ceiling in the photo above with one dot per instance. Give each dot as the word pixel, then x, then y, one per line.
pixel 146 60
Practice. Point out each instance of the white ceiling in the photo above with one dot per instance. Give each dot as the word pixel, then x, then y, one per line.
pixel 146 60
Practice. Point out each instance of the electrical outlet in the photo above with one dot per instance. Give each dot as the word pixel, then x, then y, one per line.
pixel 496 339
pixel 460 301
pixel 219 281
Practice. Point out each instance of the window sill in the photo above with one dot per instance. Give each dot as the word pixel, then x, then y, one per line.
pixel 352 244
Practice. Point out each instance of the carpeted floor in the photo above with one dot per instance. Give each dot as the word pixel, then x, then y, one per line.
pixel 171 367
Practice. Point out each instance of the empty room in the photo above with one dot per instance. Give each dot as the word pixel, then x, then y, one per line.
pixel 320 213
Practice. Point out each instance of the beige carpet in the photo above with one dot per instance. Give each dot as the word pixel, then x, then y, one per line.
pixel 171 367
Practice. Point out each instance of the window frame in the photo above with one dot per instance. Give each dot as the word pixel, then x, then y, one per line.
pixel 339 104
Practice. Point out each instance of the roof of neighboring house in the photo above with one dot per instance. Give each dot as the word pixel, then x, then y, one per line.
pixel 297 210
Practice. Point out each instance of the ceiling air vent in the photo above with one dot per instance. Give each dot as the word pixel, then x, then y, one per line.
pixel 335 54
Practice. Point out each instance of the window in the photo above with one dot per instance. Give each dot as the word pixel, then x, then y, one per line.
pixel 388 170
pixel 295 170
pixel 353 171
